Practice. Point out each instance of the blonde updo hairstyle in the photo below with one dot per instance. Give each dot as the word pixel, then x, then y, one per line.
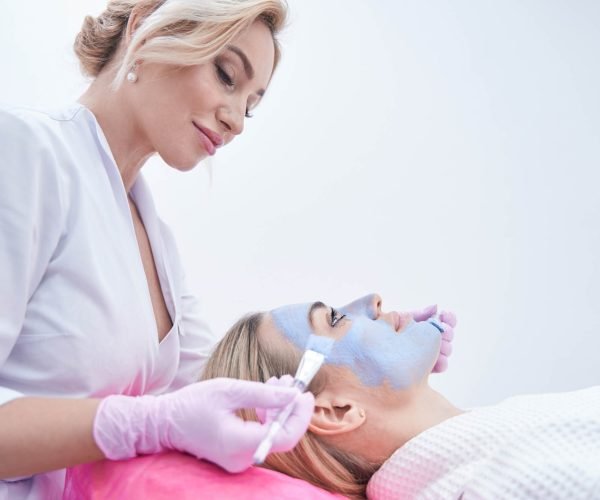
pixel 175 32
pixel 244 354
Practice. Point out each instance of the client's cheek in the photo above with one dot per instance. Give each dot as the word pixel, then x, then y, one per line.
pixel 378 355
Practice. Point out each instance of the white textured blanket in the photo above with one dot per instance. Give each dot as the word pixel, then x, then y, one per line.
pixel 527 447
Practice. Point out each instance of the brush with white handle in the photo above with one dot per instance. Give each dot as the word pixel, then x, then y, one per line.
pixel 317 349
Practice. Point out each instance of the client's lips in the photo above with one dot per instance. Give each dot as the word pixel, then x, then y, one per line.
pixel 401 320
pixel 397 321
pixel 211 140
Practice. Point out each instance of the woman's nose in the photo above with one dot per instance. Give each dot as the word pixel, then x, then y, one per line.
pixel 369 305
pixel 232 120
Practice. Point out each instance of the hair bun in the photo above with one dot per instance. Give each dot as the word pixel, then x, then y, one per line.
pixel 99 38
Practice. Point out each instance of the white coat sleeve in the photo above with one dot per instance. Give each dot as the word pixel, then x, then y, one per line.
pixel 31 217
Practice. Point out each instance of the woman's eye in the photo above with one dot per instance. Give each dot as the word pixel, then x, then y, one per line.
pixel 224 77
pixel 248 114
pixel 336 317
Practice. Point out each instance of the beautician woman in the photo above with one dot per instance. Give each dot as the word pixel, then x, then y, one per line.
pixel 99 338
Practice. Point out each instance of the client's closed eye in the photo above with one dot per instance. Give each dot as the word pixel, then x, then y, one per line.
pixel 336 317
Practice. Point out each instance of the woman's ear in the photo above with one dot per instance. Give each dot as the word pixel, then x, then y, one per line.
pixel 132 24
pixel 137 15
pixel 334 415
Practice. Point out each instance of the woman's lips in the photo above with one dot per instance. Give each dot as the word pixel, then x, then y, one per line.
pixel 209 139
pixel 396 319
pixel 401 320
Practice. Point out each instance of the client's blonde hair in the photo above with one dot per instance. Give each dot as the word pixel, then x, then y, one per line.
pixel 242 354
pixel 177 32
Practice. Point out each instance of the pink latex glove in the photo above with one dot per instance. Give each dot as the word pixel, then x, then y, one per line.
pixel 200 419
pixel 448 321
pixel 267 415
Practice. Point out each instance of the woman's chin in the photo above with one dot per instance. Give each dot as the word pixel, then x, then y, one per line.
pixel 184 164
pixel 188 167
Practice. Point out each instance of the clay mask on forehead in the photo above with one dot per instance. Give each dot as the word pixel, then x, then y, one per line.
pixel 371 348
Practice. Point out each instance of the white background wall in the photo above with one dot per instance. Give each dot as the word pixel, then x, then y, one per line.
pixel 431 151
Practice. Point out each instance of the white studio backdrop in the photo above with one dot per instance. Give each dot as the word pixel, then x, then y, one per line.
pixel 430 151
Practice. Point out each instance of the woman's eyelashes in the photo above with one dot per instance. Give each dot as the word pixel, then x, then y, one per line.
pixel 228 81
pixel 225 78
pixel 336 317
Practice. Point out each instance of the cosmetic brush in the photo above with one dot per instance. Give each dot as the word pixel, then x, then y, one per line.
pixel 317 349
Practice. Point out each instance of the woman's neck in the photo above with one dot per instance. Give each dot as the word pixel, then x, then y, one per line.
pixel 117 118
pixel 393 425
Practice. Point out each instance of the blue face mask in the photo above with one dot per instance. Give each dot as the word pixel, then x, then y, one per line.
pixel 371 348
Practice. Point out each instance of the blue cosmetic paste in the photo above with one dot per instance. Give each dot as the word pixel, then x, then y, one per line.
pixel 371 348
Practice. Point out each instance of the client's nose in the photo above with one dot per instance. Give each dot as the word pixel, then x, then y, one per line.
pixel 369 305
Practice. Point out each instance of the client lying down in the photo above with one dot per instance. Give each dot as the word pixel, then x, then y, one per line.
pixel 378 428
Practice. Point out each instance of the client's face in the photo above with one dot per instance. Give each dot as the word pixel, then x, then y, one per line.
pixel 376 389
pixel 378 348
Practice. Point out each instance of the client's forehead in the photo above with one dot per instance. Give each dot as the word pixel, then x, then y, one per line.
pixel 292 321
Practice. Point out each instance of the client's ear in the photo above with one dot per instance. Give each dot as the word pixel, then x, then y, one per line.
pixel 334 415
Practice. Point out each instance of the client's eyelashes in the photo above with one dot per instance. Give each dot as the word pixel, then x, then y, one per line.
pixel 336 317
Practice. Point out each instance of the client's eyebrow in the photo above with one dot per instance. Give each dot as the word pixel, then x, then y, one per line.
pixel 313 308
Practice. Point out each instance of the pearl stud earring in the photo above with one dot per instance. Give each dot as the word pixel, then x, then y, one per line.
pixel 132 75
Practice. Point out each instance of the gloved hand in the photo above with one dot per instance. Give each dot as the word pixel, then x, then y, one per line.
pixel 448 321
pixel 200 419
pixel 266 415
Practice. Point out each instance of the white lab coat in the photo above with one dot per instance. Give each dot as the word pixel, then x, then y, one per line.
pixel 76 318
